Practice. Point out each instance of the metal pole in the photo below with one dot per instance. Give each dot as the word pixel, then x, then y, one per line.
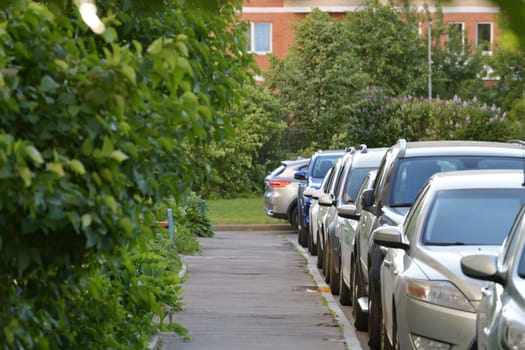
pixel 170 225
pixel 430 60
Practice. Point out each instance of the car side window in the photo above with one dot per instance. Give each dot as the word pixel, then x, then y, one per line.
pixel 509 245
pixel 414 214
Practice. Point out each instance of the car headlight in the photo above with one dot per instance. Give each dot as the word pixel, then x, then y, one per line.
pixel 513 331
pixel 441 293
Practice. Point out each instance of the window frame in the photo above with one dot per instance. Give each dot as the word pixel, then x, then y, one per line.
pixel 491 40
pixel 252 35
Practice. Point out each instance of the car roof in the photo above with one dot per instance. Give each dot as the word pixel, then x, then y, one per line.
pixel 295 162
pixel 470 148
pixel 470 179
pixel 371 158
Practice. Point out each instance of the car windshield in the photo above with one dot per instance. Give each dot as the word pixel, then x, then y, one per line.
pixel 472 216
pixel 412 173
pixel 322 165
pixel 353 183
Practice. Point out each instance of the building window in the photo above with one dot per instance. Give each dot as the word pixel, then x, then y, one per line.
pixel 456 37
pixel 484 37
pixel 260 37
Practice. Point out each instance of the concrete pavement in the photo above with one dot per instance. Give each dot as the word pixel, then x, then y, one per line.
pixel 251 289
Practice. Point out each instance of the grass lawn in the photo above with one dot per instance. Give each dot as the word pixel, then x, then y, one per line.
pixel 239 211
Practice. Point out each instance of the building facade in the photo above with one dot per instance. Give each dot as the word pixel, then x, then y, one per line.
pixel 272 21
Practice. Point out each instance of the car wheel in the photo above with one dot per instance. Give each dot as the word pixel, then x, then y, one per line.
pixel 374 315
pixel 320 253
pixel 293 219
pixel 360 317
pixel 303 232
pixel 334 277
pixel 326 262
pixel 312 248
pixel 345 294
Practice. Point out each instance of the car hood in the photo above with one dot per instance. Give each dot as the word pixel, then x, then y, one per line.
pixel 444 263
pixel 315 182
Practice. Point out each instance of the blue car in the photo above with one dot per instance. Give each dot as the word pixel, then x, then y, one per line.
pixel 320 163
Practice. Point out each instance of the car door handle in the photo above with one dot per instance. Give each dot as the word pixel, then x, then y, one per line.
pixel 387 263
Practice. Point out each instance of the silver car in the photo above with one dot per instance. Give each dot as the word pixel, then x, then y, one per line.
pixel 500 321
pixel 427 302
pixel 280 196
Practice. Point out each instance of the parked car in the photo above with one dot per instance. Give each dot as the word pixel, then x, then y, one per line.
pixel 319 164
pixel 403 171
pixel 314 210
pixel 427 302
pixel 354 167
pixel 280 196
pixel 500 320
pixel 349 215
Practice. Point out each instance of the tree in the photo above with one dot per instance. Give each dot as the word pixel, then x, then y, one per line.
pixel 96 130
pixel 316 80
pixel 386 43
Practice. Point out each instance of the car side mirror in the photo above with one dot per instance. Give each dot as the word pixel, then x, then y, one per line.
pixel 391 237
pixel 309 192
pixel 482 267
pixel 347 211
pixel 367 198
pixel 300 175
pixel 326 200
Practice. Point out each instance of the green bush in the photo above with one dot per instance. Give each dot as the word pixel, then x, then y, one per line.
pixel 95 131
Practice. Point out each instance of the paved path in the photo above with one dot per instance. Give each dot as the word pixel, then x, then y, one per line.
pixel 252 290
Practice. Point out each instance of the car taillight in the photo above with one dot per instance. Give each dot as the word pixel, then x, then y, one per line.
pixel 279 183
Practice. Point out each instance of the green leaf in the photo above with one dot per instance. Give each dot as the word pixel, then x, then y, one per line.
pixel 77 167
pixel 56 168
pixel 9 336
pixel 34 154
pixel 107 146
pixel 119 156
pixel 86 220
pixel 25 174
pixel 126 225
pixel 47 84
pixel 62 65
pixel 130 74
pixel 156 47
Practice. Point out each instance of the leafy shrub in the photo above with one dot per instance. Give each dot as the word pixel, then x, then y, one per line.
pixel 94 133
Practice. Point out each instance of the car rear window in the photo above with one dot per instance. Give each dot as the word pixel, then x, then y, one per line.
pixel 412 173
pixel 472 216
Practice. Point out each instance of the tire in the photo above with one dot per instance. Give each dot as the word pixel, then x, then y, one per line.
pixel 303 238
pixel 334 277
pixel 320 254
pixel 293 219
pixel 326 262
pixel 345 293
pixel 374 313
pixel 360 317
pixel 311 247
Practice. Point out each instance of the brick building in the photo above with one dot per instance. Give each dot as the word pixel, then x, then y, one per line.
pixel 271 21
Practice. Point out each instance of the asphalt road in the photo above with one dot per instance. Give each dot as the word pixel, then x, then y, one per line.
pixel 256 290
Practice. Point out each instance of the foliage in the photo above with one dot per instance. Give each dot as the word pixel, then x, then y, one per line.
pixel 379 120
pixel 386 44
pixel 240 163
pixel 316 80
pixel 95 131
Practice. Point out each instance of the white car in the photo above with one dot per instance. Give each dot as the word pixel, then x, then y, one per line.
pixel 500 321
pixel 427 302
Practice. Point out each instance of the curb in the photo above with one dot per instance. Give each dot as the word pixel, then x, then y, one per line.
pixel 254 227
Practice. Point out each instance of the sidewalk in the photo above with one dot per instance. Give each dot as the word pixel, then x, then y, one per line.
pixel 252 290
